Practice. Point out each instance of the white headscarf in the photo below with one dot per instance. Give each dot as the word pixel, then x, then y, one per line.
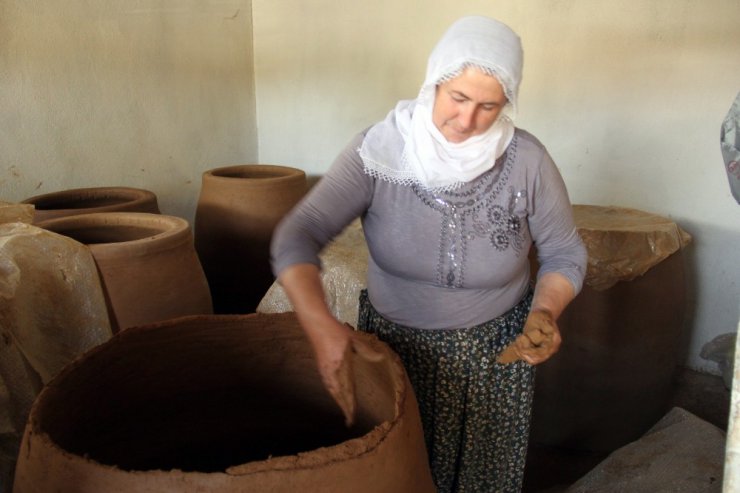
pixel 407 148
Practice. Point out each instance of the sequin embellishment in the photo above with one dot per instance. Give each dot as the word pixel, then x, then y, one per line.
pixel 478 211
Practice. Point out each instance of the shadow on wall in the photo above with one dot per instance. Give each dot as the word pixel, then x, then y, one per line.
pixel 713 286
pixel 690 267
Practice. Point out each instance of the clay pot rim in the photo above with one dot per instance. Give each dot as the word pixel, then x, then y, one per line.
pixel 175 231
pixel 135 196
pixel 286 173
pixel 346 450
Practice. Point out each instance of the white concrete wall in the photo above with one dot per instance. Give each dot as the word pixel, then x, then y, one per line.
pixel 138 93
pixel 628 96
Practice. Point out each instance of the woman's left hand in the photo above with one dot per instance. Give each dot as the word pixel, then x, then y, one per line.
pixel 540 338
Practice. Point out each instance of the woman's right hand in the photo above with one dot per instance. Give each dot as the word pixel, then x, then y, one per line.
pixel 333 342
pixel 334 351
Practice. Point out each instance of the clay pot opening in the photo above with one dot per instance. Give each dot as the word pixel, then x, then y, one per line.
pixel 209 394
pixel 88 200
pixel 257 172
pixel 119 227
pixel 148 265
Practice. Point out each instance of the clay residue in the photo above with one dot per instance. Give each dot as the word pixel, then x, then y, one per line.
pixel 536 339
pixel 344 395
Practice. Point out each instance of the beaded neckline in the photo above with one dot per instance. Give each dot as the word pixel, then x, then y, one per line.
pixel 477 211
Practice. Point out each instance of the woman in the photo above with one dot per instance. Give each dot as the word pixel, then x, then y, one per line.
pixel 451 197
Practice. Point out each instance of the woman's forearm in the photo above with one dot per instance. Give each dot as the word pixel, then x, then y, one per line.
pixel 552 294
pixel 541 338
pixel 302 284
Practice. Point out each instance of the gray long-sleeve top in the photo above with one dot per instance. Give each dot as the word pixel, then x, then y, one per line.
pixel 443 259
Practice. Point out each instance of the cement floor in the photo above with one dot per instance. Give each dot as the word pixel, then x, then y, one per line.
pixel 551 470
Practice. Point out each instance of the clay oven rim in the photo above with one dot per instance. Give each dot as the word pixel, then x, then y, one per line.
pixel 141 232
pixel 98 197
pixel 612 218
pixel 320 457
pixel 255 174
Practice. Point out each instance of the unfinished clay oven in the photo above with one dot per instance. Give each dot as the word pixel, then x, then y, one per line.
pixel 622 336
pixel 221 404
pixel 147 263
pixel 238 209
pixel 88 200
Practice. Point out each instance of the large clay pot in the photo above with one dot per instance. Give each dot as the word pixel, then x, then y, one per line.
pixel 220 403
pixel 238 209
pixel 88 200
pixel 147 264
pixel 623 336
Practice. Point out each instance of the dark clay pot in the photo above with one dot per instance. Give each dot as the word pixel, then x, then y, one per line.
pixel 147 264
pixel 220 403
pixel 238 209
pixel 623 335
pixel 89 200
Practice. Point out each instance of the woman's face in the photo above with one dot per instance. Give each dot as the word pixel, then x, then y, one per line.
pixel 467 105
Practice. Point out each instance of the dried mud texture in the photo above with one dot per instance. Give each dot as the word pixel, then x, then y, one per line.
pixel 624 243
pixel 89 200
pixel 147 262
pixel 221 403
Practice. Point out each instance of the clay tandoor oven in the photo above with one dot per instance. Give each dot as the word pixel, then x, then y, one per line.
pixel 220 403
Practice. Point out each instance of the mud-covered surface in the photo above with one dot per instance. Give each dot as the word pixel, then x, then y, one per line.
pixel 624 243
pixel 225 403
pixel 195 398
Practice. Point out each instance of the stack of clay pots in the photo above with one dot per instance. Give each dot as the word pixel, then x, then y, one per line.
pixel 146 261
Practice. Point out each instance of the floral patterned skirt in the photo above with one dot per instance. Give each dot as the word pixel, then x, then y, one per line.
pixel 475 412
